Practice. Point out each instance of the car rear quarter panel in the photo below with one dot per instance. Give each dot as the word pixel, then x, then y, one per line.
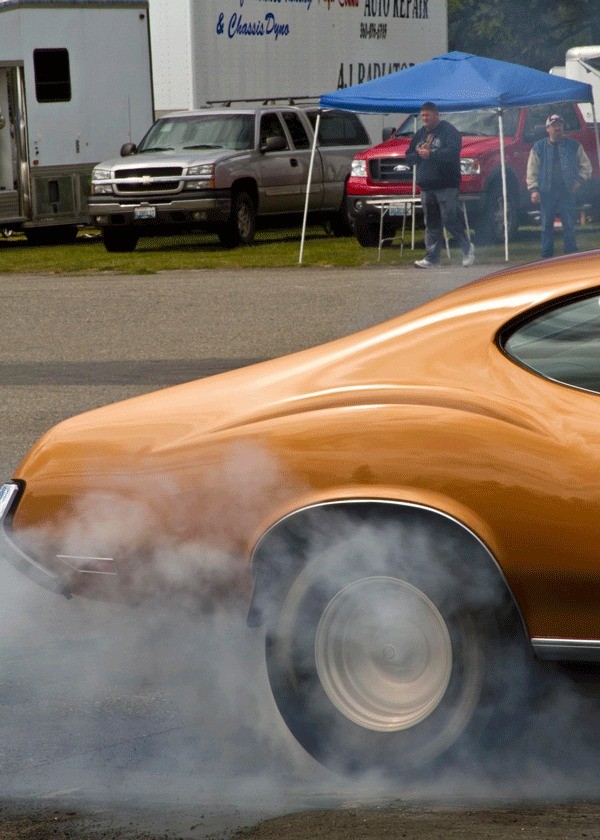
pixel 529 493
pixel 404 412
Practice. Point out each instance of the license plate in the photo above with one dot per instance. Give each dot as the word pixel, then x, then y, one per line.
pixel 400 211
pixel 144 213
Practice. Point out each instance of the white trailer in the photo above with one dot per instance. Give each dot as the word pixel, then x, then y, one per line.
pixel 75 82
pixel 219 50
pixel 582 64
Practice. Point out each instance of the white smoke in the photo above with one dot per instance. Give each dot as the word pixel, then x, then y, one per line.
pixel 169 703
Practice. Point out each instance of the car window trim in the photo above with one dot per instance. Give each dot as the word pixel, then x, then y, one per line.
pixel 511 326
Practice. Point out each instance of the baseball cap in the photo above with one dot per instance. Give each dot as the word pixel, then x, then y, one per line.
pixel 553 118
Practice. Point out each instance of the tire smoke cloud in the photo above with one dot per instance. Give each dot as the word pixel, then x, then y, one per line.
pixel 165 701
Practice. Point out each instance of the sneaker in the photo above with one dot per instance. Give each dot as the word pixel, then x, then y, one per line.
pixel 425 264
pixel 469 258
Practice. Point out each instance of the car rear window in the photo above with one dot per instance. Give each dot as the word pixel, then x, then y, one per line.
pixel 562 345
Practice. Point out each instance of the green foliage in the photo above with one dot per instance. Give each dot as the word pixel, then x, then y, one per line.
pixel 536 33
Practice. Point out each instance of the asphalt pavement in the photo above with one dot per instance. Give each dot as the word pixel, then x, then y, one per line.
pixel 153 717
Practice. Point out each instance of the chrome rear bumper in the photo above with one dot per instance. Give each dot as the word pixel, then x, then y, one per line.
pixel 11 552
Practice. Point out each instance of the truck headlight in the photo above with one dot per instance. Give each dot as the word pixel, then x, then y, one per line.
pixel 470 166
pixel 99 175
pixel 205 172
pixel 359 169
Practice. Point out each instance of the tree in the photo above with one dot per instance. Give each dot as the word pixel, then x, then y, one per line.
pixel 535 33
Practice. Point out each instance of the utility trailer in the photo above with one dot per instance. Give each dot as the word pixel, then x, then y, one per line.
pixel 207 51
pixel 75 80
pixel 582 64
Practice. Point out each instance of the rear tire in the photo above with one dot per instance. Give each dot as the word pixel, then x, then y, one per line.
pixel 119 240
pixel 387 652
pixel 241 227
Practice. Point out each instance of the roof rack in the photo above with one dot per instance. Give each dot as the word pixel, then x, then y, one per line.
pixel 271 100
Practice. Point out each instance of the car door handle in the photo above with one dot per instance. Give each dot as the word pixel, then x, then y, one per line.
pixel 293 162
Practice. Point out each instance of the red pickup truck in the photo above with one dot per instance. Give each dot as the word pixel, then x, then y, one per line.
pixel 380 172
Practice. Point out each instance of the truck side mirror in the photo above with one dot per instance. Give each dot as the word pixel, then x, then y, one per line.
pixel 274 144
pixel 128 149
pixel 387 133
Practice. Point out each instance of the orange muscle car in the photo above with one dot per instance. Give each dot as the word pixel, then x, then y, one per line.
pixel 405 512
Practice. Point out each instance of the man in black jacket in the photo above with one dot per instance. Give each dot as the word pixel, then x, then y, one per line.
pixel 435 150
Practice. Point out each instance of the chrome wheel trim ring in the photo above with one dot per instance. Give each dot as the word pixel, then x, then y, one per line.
pixel 244 220
pixel 383 654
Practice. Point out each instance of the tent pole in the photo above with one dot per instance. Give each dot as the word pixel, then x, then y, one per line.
pixel 414 174
pixel 310 171
pixel 596 133
pixel 504 191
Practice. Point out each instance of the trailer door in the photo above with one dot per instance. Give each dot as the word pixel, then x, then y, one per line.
pixel 12 137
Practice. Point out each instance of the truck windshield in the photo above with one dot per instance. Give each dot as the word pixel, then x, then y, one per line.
pixel 210 131
pixel 470 123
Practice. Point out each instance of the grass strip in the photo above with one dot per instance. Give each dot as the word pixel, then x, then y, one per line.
pixel 271 249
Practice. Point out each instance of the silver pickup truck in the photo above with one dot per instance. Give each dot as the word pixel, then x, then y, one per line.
pixel 222 169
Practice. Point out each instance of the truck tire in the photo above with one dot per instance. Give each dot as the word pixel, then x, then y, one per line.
pixel 341 222
pixel 241 225
pixel 118 240
pixel 56 235
pixel 367 233
pixel 490 228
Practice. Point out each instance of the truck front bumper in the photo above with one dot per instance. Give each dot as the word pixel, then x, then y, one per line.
pixel 359 206
pixel 188 210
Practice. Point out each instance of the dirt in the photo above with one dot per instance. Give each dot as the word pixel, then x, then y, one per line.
pixel 526 822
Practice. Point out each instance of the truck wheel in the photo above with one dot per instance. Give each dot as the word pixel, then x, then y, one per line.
pixel 57 235
pixel 384 657
pixel 341 222
pixel 241 226
pixel 117 240
pixel 490 228
pixel 367 233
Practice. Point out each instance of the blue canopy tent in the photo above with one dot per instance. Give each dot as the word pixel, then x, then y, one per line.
pixel 458 82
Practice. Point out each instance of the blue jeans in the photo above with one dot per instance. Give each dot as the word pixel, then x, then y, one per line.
pixel 442 210
pixel 561 204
